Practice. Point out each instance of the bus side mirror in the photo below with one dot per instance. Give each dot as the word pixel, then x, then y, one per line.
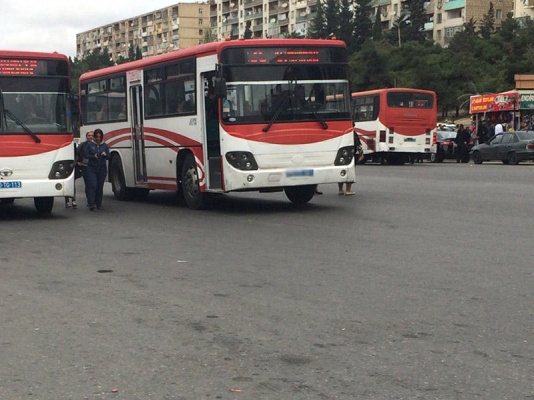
pixel 220 87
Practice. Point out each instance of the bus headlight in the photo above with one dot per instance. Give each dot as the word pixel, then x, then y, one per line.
pixel 61 169
pixel 344 155
pixel 242 160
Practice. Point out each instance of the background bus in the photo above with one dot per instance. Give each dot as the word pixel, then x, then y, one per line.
pixel 245 115
pixel 36 141
pixel 395 125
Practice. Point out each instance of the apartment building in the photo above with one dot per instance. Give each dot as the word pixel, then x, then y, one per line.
pixel 445 17
pixel 175 27
pixel 265 18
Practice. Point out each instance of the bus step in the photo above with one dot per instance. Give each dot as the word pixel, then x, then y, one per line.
pixel 215 173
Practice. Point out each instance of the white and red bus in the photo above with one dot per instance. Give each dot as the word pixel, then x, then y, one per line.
pixel 244 115
pixel 36 139
pixel 395 125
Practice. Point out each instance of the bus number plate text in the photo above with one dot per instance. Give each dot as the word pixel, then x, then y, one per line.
pixel 10 185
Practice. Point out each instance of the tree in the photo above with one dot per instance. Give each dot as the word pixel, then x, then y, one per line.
pixel 317 28
pixel 363 25
pixel 210 35
pixel 414 27
pixel 346 25
pixel 248 31
pixel 377 26
pixel 487 26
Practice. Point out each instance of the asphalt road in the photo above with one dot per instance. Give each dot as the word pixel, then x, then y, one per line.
pixel 418 287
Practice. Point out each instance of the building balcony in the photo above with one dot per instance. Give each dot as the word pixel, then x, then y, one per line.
pixel 454 4
pixel 429 26
pixel 257 28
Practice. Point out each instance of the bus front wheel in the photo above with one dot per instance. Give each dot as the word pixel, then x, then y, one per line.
pixel 43 205
pixel 300 194
pixel 192 195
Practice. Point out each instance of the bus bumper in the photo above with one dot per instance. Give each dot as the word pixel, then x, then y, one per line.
pixel 37 188
pixel 236 180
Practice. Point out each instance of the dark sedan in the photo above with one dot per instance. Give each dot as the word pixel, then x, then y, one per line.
pixel 508 147
pixel 446 147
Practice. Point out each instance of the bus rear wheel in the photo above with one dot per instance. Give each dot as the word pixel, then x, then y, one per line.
pixel 300 194
pixel 192 195
pixel 118 183
pixel 43 205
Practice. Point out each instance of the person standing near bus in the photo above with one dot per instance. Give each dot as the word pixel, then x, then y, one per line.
pixel 97 154
pixel 463 136
pixel 81 164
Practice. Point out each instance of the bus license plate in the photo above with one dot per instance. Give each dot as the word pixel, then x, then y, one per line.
pixel 299 173
pixel 10 185
pixel 410 139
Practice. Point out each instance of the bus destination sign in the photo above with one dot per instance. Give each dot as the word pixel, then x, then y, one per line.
pixel 17 66
pixel 284 56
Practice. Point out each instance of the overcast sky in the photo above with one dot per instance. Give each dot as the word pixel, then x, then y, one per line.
pixel 52 25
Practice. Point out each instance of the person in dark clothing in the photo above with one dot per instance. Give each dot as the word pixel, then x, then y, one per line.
pixel 483 132
pixel 81 162
pixel 97 154
pixel 463 136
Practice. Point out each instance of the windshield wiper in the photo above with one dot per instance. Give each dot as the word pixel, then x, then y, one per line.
pixel 276 114
pixel 21 124
pixel 321 121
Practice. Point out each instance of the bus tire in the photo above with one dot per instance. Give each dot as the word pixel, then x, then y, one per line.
pixel 7 201
pixel 43 205
pixel 118 183
pixel 300 194
pixel 191 193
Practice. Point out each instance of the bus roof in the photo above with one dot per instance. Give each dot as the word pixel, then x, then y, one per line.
pixel 206 49
pixel 390 90
pixel 32 54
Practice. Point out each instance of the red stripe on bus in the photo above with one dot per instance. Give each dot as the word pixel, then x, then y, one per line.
pixel 21 145
pixel 290 133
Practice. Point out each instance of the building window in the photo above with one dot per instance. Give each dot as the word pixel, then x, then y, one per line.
pixel 200 32
pixel 439 18
pixel 200 11
pixel 200 21
pixel 498 14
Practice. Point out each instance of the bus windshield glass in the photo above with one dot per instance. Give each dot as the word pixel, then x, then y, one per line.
pixel 36 104
pixel 260 90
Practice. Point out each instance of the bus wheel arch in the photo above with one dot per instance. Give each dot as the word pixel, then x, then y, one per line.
pixel 116 177
pixel 300 194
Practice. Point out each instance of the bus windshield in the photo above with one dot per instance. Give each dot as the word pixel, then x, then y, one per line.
pixel 40 106
pixel 259 93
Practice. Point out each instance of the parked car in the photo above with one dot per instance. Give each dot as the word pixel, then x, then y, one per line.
pixel 445 126
pixel 446 147
pixel 509 147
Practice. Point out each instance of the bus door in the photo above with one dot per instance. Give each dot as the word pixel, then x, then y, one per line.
pixel 138 138
pixel 211 131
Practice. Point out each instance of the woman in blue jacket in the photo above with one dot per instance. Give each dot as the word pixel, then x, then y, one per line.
pixel 97 154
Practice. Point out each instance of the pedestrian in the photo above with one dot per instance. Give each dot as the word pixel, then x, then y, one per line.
pixel 81 161
pixel 483 132
pixel 79 168
pixel 358 155
pixel 71 201
pixel 499 128
pixel 463 136
pixel 97 154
